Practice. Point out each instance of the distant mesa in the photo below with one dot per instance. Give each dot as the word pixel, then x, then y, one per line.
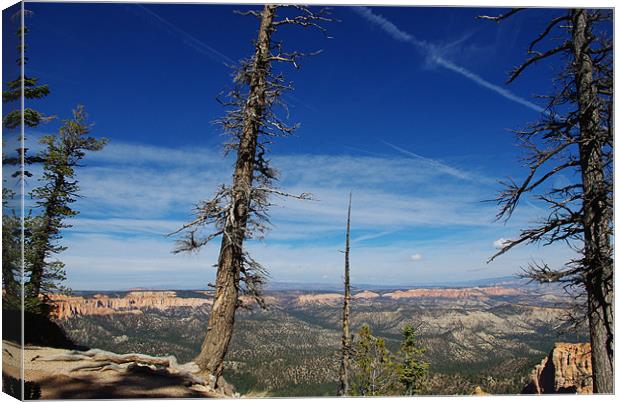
pixel 320 298
pixel 249 301
pixel 566 370
pixel 137 301
pixel 133 303
pixel 367 294
pixel 475 292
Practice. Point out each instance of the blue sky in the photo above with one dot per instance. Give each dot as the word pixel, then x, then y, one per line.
pixel 406 106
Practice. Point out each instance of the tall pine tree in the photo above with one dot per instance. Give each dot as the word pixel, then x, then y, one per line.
pixel 373 370
pixel 27 87
pixel 574 137
pixel 14 163
pixel 412 371
pixel 53 199
pixel 239 212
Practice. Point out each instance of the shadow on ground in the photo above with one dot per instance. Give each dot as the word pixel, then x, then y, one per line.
pixel 130 385
pixel 12 386
pixel 38 330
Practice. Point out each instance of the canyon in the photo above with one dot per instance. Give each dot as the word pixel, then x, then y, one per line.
pixel 486 336
pixel 137 301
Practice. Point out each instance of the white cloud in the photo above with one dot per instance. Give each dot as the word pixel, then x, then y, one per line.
pixel 500 243
pixel 134 195
pixel 416 257
pixel 138 184
pixel 108 262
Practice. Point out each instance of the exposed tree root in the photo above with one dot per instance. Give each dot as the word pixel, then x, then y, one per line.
pixel 100 360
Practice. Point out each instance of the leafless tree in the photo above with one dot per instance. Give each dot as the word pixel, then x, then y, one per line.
pixel 345 364
pixel 574 136
pixel 240 212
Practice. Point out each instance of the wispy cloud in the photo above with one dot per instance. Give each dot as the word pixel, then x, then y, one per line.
pixel 135 194
pixel 108 262
pixel 433 55
pixel 371 236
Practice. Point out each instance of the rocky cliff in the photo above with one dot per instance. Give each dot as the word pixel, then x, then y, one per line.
pixel 567 369
pixel 135 302
pixel 132 303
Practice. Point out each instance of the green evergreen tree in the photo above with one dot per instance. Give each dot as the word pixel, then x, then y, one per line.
pixel 32 89
pixel 54 197
pixel 11 222
pixel 374 368
pixel 411 370
pixel 11 253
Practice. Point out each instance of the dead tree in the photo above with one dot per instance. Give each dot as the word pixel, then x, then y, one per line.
pixel 345 364
pixel 575 135
pixel 240 212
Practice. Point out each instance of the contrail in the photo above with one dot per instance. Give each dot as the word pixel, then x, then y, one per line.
pixel 486 84
pixel 188 39
pixel 432 53
pixel 205 49
pixel 449 170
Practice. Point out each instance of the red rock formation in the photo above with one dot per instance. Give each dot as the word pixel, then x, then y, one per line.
pixel 250 302
pixel 454 293
pixel 475 292
pixel 132 303
pixel 478 391
pixel 135 302
pixel 321 298
pixel 366 294
pixel 567 369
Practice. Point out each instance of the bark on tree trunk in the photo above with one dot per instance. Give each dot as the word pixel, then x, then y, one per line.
pixel 222 318
pixel 346 311
pixel 596 213
pixel 38 262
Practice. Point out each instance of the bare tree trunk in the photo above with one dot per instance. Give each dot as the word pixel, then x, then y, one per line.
pixel 222 318
pixel 346 311
pixel 596 213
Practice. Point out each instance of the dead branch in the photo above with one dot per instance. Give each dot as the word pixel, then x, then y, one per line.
pixel 501 17
pixel 302 196
pixel 548 29
pixel 537 57
pixel 509 198
pixel 535 234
